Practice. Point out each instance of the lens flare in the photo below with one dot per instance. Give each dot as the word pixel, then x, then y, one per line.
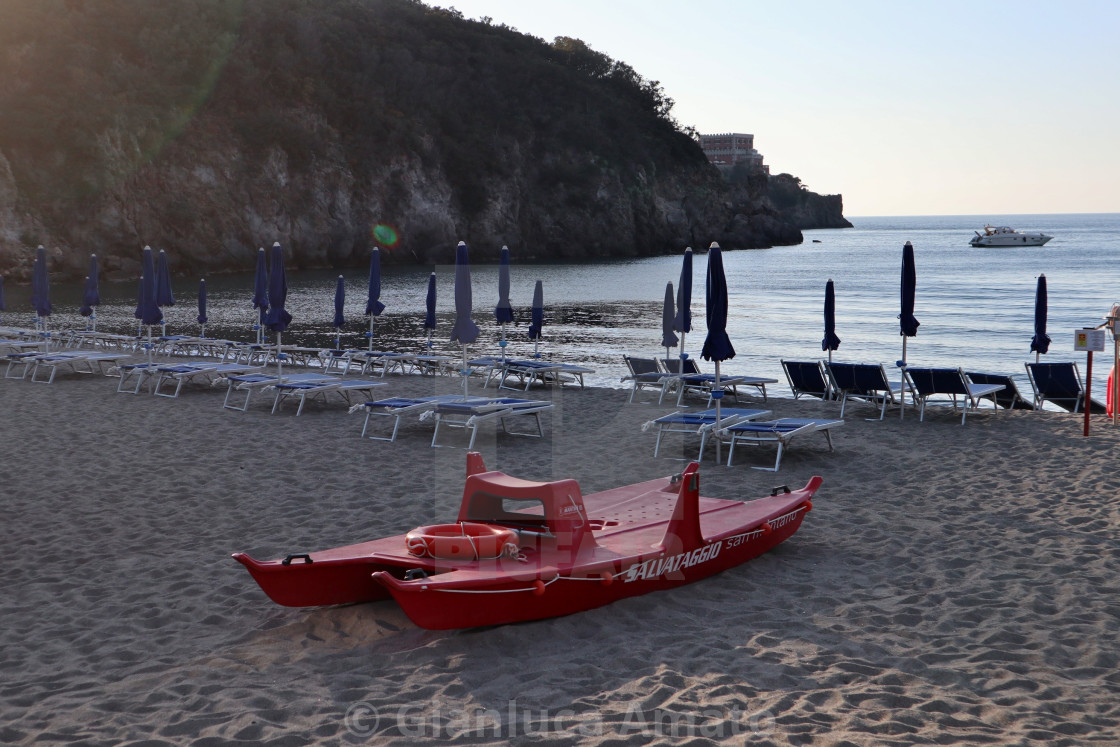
pixel 386 235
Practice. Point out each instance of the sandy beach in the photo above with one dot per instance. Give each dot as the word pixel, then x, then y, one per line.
pixel 952 585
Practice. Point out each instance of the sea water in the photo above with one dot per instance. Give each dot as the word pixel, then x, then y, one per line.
pixel 975 306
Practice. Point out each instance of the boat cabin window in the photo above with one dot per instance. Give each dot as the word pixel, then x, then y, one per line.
pixel 523 512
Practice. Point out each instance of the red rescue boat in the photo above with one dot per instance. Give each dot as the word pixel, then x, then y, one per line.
pixel 523 550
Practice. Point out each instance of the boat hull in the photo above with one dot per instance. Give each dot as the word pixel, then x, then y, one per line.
pixel 444 606
pixel 1010 241
pixel 594 550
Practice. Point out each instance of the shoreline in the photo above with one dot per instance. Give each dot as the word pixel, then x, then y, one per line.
pixel 952 583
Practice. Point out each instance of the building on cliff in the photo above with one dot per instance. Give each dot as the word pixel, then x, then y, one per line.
pixel 732 148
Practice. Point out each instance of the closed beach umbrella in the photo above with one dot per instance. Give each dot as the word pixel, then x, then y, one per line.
pixel 536 317
pixel 717 345
pixel 40 289
pixel 202 306
pixel 908 324
pixel 260 293
pixel 3 305
pixel 374 307
pixel 682 322
pixel 139 313
pixel 277 319
pixel 430 308
pixel 503 312
pixel 831 341
pixel 150 313
pixel 669 339
pixel 91 294
pixel 465 330
pixel 1040 343
pixel 164 297
pixel 85 310
pixel 339 305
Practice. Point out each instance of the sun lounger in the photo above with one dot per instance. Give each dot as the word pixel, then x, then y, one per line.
pixel 78 361
pixel 251 382
pixel 926 383
pixel 398 407
pixel 780 432
pixel 207 372
pixel 807 378
pixel 1009 397
pixel 470 415
pixel 20 362
pixel 700 423
pixel 7 347
pixel 864 381
pixel 695 381
pixel 137 374
pixel 305 390
pixel 645 374
pixel 1061 384
pixel 401 362
pixel 545 372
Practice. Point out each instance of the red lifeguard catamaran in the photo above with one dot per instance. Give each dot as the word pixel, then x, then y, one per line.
pixel 523 550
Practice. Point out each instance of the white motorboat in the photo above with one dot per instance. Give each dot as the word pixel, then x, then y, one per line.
pixel 1006 236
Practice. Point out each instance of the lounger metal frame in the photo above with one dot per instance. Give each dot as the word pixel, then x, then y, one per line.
pixel 780 431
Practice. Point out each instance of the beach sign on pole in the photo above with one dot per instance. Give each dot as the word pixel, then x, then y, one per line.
pixel 1091 341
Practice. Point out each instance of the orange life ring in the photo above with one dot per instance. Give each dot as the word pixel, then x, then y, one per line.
pixel 463 541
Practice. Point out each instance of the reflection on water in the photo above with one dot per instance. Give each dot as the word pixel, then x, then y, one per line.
pixel 976 306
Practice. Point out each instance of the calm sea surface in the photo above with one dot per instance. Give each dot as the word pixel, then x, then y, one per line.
pixel 976 306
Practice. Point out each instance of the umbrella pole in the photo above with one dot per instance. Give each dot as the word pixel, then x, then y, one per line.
pixel 371 333
pixel 717 393
pixel 465 372
pixel 279 359
pixel 902 391
pixel 502 342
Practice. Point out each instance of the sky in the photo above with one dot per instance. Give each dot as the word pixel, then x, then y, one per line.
pixel 982 107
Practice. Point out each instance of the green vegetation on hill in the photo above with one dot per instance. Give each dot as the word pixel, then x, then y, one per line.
pixel 95 89
pixel 212 127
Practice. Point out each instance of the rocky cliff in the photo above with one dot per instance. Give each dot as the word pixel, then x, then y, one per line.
pixel 212 127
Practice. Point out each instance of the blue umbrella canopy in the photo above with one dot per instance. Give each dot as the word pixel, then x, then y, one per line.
pixel 503 312
pixel 91 295
pixel 1040 343
pixel 668 337
pixel 374 307
pixel 202 302
pixel 339 303
pixel 717 345
pixel 139 313
pixel 260 289
pixel 536 314
pixel 277 319
pixel 908 324
pixel 430 308
pixel 164 296
pixel 40 285
pixel 147 306
pixel 682 322
pixel 465 330
pixel 831 341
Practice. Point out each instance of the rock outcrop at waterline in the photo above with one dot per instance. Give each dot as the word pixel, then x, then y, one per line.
pixel 212 127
